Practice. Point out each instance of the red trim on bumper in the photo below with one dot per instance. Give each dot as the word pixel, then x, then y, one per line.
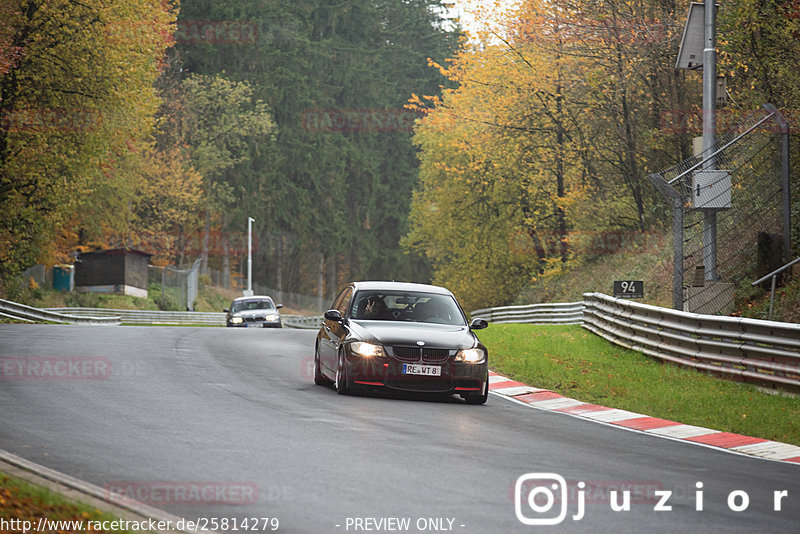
pixel 467 389
pixel 368 383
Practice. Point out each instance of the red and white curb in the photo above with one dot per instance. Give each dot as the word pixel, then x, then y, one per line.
pixel 544 399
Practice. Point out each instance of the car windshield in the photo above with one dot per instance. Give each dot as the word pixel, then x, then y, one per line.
pixel 245 305
pixel 405 306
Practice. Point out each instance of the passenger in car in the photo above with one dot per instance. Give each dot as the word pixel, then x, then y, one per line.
pixel 371 307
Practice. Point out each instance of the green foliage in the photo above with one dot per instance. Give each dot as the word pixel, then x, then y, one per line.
pixel 648 258
pixel 785 307
pixel 215 120
pixel 209 299
pixel 578 364
pixel 759 46
pixel 28 503
pixel 342 192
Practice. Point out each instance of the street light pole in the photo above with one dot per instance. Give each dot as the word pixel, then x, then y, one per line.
pixel 249 291
pixel 709 133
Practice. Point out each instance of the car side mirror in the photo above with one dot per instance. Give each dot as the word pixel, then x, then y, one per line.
pixel 279 306
pixel 478 324
pixel 334 315
pixel 226 310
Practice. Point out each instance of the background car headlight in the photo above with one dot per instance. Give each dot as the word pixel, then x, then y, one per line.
pixel 471 355
pixel 236 320
pixel 271 317
pixel 366 349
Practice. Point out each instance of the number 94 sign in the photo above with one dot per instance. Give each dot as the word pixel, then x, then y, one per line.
pixel 629 289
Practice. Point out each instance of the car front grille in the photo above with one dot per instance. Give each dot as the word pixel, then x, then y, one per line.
pixel 415 354
pixel 421 384
pixel 255 319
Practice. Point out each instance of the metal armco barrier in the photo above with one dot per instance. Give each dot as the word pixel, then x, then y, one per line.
pixel 740 348
pixel 569 313
pixel 178 318
pixel 302 321
pixel 14 310
pixel 143 317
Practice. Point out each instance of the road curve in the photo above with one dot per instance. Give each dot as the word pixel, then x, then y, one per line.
pixel 212 422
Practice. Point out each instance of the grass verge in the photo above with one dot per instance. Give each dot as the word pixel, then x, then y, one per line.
pixel 21 502
pixel 576 363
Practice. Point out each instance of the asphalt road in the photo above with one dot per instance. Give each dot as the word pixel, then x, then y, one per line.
pixel 213 422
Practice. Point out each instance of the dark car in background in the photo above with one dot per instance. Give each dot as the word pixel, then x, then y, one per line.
pixel 253 311
pixel 401 336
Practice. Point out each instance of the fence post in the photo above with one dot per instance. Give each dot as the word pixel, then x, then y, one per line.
pixel 677 237
pixel 785 182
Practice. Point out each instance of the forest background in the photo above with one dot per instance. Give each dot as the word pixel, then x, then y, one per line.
pixel 366 139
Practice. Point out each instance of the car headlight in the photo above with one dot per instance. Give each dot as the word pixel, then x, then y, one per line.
pixel 236 320
pixel 272 317
pixel 367 350
pixel 475 355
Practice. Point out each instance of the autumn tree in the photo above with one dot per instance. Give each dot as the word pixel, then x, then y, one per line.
pixel 559 115
pixel 77 106
pixel 215 122
pixel 169 202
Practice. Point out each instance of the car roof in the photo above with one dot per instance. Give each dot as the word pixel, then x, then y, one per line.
pixel 254 297
pixel 399 286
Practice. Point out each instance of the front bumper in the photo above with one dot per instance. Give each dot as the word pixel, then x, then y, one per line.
pixel 387 371
pixel 255 323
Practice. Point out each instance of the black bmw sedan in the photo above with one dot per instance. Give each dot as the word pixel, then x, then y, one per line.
pixel 401 336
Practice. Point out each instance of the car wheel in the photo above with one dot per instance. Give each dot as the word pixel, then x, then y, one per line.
pixel 319 378
pixel 340 384
pixel 478 398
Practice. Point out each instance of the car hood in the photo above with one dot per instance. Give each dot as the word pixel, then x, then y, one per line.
pixel 391 333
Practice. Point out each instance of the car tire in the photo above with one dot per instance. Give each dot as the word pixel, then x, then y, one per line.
pixel 319 378
pixel 478 398
pixel 341 383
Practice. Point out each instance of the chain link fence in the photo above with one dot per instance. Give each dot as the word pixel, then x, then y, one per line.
pixel 731 216
pixel 178 287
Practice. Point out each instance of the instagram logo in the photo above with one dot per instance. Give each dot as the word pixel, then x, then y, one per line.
pixel 541 498
pixel 535 497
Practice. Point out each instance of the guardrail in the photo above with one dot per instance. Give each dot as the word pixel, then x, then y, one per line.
pixel 744 349
pixel 568 313
pixel 14 310
pixel 740 348
pixel 179 318
pixel 302 321
pixel 145 317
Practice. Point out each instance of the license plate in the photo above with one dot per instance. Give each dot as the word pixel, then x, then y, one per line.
pixel 424 370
